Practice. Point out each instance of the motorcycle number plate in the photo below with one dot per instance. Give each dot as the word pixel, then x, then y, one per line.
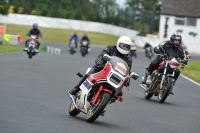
pixel 86 85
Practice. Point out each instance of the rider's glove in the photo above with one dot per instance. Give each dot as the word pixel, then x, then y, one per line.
pixel 127 83
pixel 185 62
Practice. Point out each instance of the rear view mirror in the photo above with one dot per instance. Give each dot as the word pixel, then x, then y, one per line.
pixel 134 76
pixel 106 57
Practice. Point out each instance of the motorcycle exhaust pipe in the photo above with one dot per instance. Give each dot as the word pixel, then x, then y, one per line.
pixel 143 87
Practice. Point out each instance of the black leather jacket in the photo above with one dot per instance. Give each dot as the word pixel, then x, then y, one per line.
pixel 112 51
pixel 85 38
pixel 35 32
pixel 170 50
pixel 147 45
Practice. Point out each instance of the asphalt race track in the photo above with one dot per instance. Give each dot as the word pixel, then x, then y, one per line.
pixel 34 99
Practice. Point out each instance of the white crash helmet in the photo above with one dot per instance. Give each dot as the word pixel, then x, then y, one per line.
pixel 124 41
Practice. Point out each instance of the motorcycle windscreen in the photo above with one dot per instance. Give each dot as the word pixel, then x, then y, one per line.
pixel 120 66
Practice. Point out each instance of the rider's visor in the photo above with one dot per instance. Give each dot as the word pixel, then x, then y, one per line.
pixel 125 46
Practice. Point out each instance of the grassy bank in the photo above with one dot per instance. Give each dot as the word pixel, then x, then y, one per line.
pixel 10 48
pixel 62 35
pixel 14 48
pixel 192 71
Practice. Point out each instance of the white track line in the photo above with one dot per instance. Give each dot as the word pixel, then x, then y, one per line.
pixel 190 80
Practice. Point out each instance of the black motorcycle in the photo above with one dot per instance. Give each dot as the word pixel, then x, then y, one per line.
pixel 133 52
pixel 84 47
pixel 162 79
pixel 149 52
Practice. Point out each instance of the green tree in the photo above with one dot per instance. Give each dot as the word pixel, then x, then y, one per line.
pixel 4 7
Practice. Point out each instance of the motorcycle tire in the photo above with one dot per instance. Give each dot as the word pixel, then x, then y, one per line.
pixel 72 110
pixel 30 54
pixel 96 110
pixel 83 54
pixel 135 55
pixel 162 97
pixel 149 55
pixel 71 52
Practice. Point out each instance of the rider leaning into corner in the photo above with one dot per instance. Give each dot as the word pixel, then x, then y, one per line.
pixel 173 50
pixel 121 50
pixel 34 31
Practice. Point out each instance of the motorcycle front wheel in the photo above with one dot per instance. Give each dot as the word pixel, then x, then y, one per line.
pixel 164 92
pixel 96 110
pixel 30 54
pixel 83 53
pixel 72 110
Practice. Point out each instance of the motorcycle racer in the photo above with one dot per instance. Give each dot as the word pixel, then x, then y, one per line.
pixel 121 50
pixel 34 31
pixel 172 49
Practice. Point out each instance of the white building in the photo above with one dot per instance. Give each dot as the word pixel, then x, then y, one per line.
pixel 181 16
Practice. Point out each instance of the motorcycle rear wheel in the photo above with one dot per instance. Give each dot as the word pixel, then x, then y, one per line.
pixel 96 110
pixel 163 94
pixel 72 110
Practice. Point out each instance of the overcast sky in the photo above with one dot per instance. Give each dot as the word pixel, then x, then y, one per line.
pixel 120 2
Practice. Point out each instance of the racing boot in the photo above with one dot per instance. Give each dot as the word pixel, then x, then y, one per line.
pixel 36 50
pixel 25 49
pixel 103 112
pixel 171 92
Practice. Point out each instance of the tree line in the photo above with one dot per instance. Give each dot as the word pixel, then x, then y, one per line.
pixel 140 15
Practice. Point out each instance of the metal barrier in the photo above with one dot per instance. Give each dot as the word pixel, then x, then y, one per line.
pixel 11 39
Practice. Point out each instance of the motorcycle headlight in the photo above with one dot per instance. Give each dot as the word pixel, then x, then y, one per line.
pixel 173 63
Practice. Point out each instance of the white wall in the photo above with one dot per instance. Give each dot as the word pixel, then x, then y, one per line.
pixel 22 19
pixel 192 43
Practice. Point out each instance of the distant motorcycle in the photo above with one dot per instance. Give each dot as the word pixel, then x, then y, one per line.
pixel 31 46
pixel 162 79
pixel 72 46
pixel 149 54
pixel 133 52
pixel 84 47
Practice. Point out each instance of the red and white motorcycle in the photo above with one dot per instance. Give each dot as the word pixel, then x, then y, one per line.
pixel 101 89
pixel 31 46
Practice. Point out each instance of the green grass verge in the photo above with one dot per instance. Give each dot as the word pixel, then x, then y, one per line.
pixel 62 35
pixel 192 71
pixel 14 48
pixel 10 48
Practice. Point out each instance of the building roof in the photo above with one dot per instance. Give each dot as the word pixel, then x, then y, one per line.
pixel 182 8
